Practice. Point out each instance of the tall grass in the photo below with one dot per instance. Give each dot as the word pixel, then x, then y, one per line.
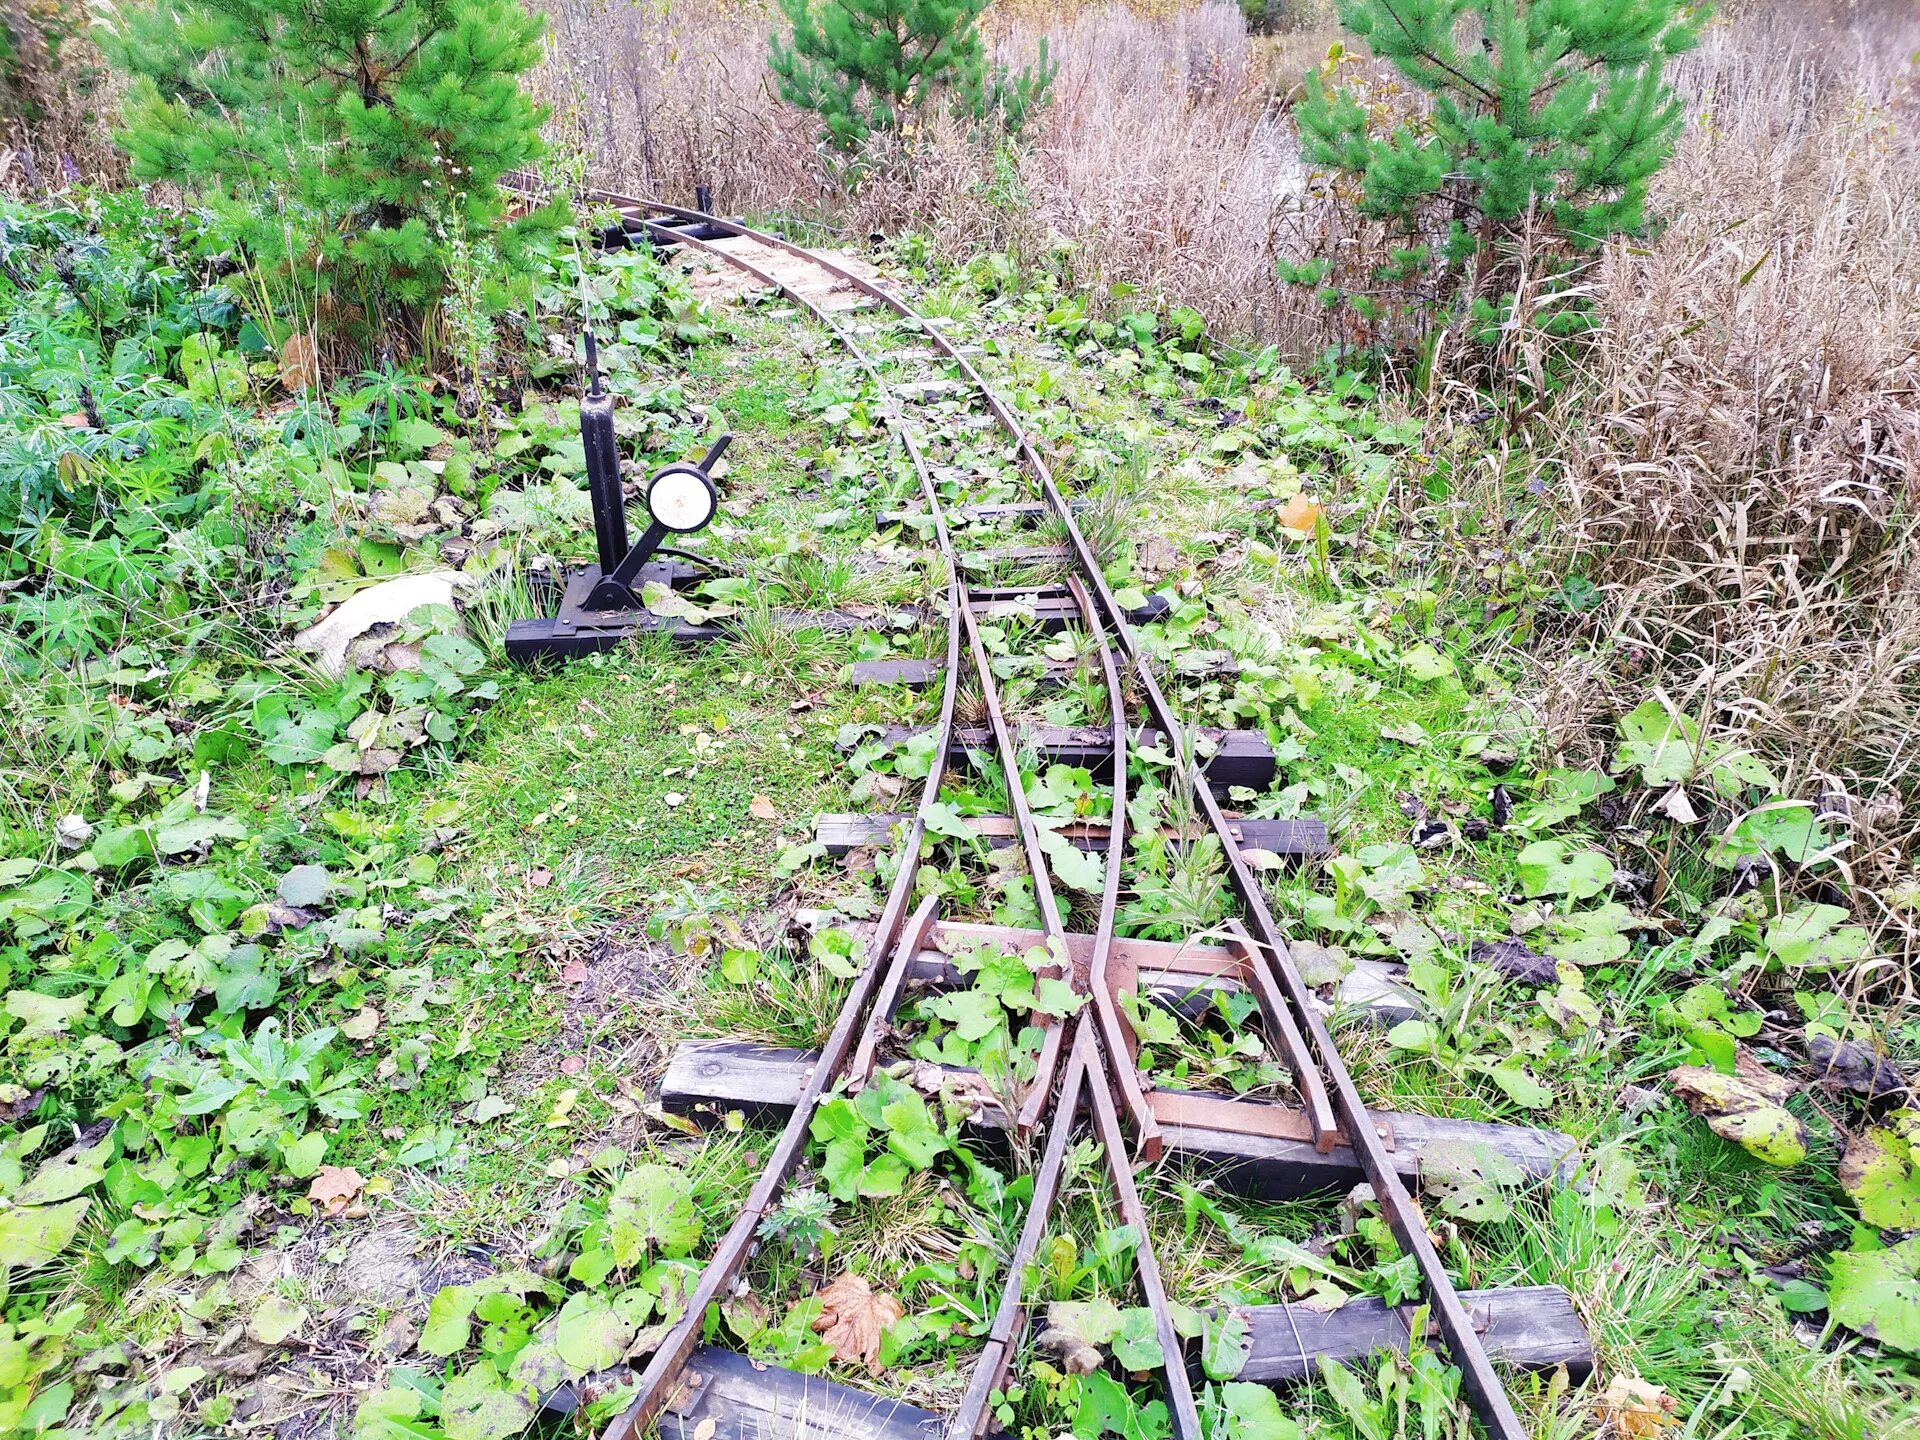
pixel 1159 162
pixel 1742 446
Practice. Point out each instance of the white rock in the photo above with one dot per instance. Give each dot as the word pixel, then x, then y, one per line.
pixel 387 603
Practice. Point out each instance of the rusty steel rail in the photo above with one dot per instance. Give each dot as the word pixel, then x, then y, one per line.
pixel 888 955
pixel 1333 1104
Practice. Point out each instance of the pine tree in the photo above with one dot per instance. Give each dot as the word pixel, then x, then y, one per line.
pixel 348 145
pixel 872 65
pixel 1549 113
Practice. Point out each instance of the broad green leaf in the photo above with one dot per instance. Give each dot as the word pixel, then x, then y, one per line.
pixel 1055 998
pixel 66 1174
pixel 1470 1178
pixel 1425 663
pixel 1151 1022
pixel 1812 937
pixel 195 831
pixel 477 1404
pixel 1392 872
pixel 1547 867
pixel 385 1414
pixel 1518 1082
pixel 651 1210
pixel 304 1155
pixel 1785 828
pixel 1136 1345
pixel 275 1319
pixel 1225 1343
pixel 122 846
pixel 1003 972
pixel 945 821
pixel 1877 1292
pixel 1746 1109
pixel 973 1013
pixel 1419 1036
pixel 1252 1412
pixel 911 1131
pixel 1078 869
pixel 837 1119
pixel 31 1235
pixel 1881 1171
pixel 1657 742
pixel 43 1015
pixel 1093 1322
pixel 1737 770
pixel 590 1334
pixel 304 885
pixel 1590 937
pixel 449 1320
pixel 842 1167
pixel 886 1175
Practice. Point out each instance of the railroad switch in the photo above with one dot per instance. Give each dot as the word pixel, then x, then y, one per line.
pixel 601 606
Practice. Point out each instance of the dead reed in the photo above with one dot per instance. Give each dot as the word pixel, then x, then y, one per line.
pixel 1742 452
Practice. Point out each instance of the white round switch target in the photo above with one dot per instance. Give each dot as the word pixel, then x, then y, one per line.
pixel 681 500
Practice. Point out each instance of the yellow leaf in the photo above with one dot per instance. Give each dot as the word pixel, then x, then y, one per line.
pixel 1300 514
pixel 1636 1408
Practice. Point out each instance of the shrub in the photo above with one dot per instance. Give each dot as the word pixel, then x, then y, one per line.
pixel 348 147
pixel 871 65
pixel 1532 120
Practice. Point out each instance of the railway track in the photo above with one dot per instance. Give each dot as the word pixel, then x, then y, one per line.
pixel 1081 1070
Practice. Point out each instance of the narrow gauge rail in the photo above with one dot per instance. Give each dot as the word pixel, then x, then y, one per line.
pixel 1098 1046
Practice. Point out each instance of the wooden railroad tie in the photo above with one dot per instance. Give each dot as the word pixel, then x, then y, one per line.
pixel 1231 757
pixel 1290 839
pixel 1530 1327
pixel 922 674
pixel 708 1079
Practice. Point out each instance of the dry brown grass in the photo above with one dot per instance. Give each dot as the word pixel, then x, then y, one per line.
pixel 57 101
pixel 1159 161
pixel 1742 450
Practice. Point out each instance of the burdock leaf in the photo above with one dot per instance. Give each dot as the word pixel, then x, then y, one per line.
pixel 1747 1110
pixel 1881 1171
pixel 652 1209
pixel 1877 1292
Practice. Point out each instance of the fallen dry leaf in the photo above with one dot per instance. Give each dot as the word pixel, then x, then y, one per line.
pixel 1633 1408
pixel 852 1317
pixel 1300 514
pixel 762 809
pixel 334 1188
pixel 362 1024
pixel 1748 1108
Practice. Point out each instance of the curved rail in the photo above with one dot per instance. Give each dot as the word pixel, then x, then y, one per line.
pixel 1326 1087
pixel 1086 1074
